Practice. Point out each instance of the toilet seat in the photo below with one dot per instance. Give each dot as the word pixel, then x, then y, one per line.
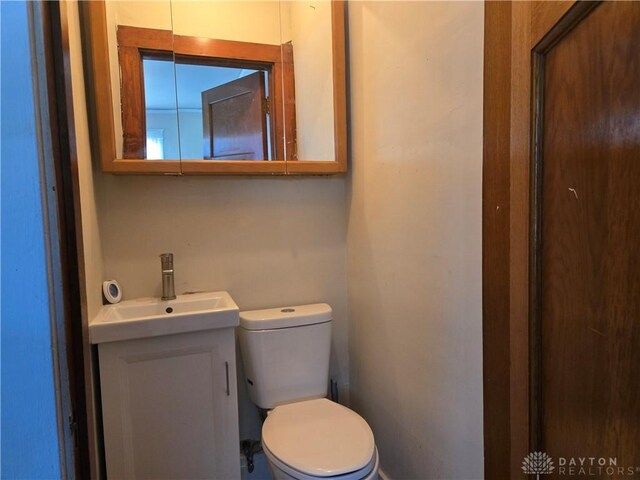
pixel 319 438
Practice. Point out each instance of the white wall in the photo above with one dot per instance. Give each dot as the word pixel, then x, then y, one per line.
pixel 414 233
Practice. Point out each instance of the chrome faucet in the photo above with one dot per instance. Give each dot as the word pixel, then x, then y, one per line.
pixel 168 291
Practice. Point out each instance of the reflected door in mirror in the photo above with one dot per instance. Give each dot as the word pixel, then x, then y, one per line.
pixel 234 118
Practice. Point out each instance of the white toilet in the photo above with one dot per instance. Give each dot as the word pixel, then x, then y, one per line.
pixel 285 353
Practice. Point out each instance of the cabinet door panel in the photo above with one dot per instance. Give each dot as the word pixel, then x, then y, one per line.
pixel 168 411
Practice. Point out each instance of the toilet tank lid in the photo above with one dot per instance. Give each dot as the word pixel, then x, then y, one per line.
pixel 286 317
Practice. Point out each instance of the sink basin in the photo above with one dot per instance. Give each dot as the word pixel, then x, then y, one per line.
pixel 153 317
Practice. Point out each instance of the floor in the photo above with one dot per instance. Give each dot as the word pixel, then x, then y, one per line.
pixel 260 471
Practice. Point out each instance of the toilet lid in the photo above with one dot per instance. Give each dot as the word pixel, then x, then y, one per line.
pixel 318 437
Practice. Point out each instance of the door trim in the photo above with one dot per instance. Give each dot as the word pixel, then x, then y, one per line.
pixel 63 232
pixel 495 239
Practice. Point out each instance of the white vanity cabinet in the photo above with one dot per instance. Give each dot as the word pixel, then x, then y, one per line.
pixel 169 406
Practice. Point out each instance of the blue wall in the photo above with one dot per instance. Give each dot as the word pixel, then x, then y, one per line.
pixel 29 431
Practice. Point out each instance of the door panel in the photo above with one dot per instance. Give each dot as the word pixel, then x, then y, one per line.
pixel 235 120
pixel 586 271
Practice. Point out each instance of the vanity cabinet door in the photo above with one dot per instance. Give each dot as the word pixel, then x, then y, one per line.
pixel 170 406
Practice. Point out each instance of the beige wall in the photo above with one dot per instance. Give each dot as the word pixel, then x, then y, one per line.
pixel 308 26
pixel 414 234
pixel 90 227
pixel 408 216
pixel 245 21
pixel 144 14
pixel 268 241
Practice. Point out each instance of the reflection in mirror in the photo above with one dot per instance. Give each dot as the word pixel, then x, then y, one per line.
pixel 232 88
pixel 230 95
pixel 226 80
pixel 126 56
pixel 303 33
pixel 307 32
pixel 223 112
pixel 160 109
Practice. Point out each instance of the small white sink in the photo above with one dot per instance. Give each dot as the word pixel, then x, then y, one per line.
pixel 153 317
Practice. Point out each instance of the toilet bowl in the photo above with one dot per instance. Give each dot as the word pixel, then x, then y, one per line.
pixel 282 471
pixel 285 352
pixel 318 438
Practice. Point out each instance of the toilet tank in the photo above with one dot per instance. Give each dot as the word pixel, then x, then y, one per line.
pixel 285 353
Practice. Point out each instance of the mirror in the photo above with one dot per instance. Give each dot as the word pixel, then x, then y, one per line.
pixel 124 19
pixel 230 103
pixel 307 32
pixel 221 86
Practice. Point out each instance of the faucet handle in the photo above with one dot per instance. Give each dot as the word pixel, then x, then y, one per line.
pixel 167 261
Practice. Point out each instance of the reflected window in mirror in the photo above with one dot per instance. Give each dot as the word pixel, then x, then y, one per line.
pixel 161 116
pixel 213 99
pixel 155 143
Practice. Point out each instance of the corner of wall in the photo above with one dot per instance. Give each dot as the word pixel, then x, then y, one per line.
pixel 93 262
pixel 90 247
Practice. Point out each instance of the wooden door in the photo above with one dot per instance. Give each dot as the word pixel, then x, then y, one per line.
pixel 234 119
pixel 585 312
pixel 563 151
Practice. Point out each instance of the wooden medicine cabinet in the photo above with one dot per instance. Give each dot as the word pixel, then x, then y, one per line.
pixel 218 87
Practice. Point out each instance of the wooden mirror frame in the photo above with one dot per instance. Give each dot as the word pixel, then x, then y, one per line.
pixel 96 35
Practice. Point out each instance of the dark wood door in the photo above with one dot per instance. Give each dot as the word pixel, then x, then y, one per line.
pixel 234 118
pixel 585 271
